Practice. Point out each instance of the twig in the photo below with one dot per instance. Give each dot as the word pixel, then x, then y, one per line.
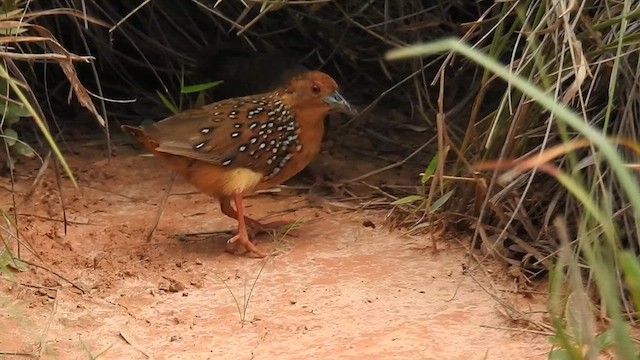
pixel 285 211
pixel 145 2
pixel 54 273
pixel 36 286
pixel 380 97
pixel 38 179
pixel 161 207
pixel 43 57
pixel 43 338
pixel 61 198
pixel 41 217
pixel 112 193
pixel 254 20
pixel 9 353
pixel 391 166
pixel 16 228
pixel 539 332
pixel 378 189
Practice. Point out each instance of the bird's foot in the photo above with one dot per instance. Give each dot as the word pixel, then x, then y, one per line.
pixel 243 239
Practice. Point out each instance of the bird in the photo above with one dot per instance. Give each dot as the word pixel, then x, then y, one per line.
pixel 234 147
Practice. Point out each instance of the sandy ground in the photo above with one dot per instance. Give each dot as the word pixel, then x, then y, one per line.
pixel 340 288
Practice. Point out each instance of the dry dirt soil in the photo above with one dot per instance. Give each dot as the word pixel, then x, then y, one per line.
pixel 343 287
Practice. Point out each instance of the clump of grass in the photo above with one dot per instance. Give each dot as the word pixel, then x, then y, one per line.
pixel 554 132
pixel 598 244
pixel 23 43
pixel 585 57
pixel 243 306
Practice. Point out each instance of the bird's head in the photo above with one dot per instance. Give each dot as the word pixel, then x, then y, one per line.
pixel 316 90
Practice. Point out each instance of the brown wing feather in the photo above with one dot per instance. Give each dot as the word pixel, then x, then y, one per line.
pixel 257 132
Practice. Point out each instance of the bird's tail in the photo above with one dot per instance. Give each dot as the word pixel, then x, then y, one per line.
pixel 138 133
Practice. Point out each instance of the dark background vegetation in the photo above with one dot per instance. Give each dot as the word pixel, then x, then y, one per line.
pixel 154 46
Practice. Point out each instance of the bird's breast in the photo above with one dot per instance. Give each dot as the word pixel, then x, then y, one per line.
pixel 310 138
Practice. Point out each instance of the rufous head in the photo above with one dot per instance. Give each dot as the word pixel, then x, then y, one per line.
pixel 316 89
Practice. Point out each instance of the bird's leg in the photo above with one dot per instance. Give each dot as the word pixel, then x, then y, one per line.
pixel 243 238
pixel 227 209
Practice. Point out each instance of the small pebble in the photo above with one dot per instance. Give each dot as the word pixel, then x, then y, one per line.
pixel 175 286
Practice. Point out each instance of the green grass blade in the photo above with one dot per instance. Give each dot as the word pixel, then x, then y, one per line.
pixel 441 201
pixel 631 270
pixel 167 103
pixel 407 200
pixel 431 168
pixel 42 126
pixel 190 89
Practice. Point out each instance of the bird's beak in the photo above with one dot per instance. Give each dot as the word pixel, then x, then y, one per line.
pixel 337 102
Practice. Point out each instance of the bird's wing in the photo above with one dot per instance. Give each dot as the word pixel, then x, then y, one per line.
pixel 258 132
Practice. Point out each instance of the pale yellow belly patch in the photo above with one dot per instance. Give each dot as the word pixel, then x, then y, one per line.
pixel 241 180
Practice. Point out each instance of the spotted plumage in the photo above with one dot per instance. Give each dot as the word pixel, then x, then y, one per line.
pixel 271 129
pixel 236 146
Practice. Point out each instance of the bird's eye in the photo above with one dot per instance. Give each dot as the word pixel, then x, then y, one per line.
pixel 315 89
